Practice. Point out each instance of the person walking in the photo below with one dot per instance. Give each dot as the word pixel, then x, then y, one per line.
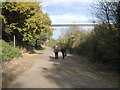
pixel 56 50
pixel 63 52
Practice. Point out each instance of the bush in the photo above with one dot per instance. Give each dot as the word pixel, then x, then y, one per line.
pixel 8 52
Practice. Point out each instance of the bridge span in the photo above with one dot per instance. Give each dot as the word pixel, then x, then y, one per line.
pixel 73 24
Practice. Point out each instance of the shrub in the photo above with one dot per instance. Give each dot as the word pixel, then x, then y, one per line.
pixel 8 52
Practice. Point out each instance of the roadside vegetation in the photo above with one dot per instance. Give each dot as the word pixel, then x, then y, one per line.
pixel 40 50
pixel 9 52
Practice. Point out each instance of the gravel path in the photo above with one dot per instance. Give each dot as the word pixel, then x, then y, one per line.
pixel 47 72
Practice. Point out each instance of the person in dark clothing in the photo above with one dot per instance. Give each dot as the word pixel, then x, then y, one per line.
pixel 63 52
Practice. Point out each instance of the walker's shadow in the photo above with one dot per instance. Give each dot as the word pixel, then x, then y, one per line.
pixel 52 58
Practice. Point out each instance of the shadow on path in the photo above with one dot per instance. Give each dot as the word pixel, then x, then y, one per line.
pixel 68 73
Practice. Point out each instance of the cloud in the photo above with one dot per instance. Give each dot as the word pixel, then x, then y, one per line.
pixel 46 3
pixel 49 2
pixel 68 13
pixel 53 1
pixel 68 0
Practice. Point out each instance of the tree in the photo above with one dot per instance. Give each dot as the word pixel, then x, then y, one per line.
pixel 106 35
pixel 25 20
pixel 105 12
pixel 118 29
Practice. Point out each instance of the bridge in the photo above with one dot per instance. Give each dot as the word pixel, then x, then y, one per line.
pixel 73 24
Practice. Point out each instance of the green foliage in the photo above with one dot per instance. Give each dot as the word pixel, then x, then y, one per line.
pixel 51 42
pixel 40 50
pixel 25 20
pixel 73 40
pixel 8 52
pixel 100 45
pixel 114 81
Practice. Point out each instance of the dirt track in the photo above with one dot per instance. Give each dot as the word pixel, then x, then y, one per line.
pixel 47 72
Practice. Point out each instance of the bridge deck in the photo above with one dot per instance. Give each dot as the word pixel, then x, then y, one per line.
pixel 74 24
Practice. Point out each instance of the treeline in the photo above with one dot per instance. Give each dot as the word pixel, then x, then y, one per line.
pixel 29 25
pixel 101 44
pixel 27 22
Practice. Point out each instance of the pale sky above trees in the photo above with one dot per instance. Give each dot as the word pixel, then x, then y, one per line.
pixel 68 11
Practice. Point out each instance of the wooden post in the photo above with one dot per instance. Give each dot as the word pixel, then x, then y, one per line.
pixel 14 41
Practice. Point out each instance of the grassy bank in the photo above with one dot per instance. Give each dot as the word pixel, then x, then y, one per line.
pixel 8 52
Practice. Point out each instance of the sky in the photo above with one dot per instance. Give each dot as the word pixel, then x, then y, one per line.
pixel 68 11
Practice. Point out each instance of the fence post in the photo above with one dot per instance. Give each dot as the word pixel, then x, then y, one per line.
pixel 14 41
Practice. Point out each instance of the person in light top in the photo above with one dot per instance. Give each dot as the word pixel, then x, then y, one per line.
pixel 56 50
